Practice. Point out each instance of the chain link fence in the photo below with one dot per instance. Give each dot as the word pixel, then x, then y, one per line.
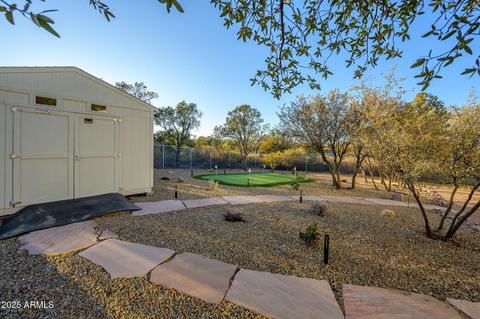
pixel 167 156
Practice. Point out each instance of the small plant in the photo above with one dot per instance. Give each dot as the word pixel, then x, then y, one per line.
pixel 234 217
pixel 319 208
pixel 388 213
pixel 310 235
pixel 213 186
pixel 295 183
pixel 210 170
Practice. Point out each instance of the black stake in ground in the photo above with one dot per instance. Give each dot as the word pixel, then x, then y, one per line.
pixel 176 191
pixel 248 182
pixel 224 172
pixel 301 195
pixel 191 173
pixel 326 244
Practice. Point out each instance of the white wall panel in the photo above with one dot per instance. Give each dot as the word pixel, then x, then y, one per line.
pixel 75 91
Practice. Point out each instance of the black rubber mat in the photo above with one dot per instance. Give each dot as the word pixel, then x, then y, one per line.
pixel 46 215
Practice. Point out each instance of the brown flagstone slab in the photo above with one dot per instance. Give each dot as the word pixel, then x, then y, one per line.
pixel 307 198
pixel 285 297
pixel 471 309
pixel 163 206
pixel 242 199
pixel 194 203
pixel 380 303
pixel 345 199
pixel 125 259
pixel 274 198
pixel 61 240
pixel 196 276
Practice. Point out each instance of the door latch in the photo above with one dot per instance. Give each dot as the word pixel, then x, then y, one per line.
pixel 13 204
pixel 13 156
pixel 77 157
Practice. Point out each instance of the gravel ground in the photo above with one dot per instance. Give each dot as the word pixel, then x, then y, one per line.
pixel 366 248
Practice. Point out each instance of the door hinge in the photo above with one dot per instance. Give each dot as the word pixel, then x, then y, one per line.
pixel 13 204
pixel 13 156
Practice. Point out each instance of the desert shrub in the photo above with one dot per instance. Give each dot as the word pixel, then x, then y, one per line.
pixel 213 186
pixel 319 208
pixel 233 217
pixel 310 235
pixel 295 183
pixel 210 170
pixel 180 180
pixel 388 213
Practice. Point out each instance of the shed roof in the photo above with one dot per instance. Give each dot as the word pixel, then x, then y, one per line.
pixel 47 69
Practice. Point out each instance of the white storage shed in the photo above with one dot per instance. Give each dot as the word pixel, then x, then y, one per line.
pixel 67 134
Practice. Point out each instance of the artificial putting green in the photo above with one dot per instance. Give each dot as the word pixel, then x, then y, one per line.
pixel 252 179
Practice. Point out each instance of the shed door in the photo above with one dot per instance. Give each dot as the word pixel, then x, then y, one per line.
pixel 41 157
pixel 97 160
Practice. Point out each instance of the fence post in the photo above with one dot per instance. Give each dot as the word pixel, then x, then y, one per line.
pixel 210 154
pixel 229 158
pixel 190 148
pixel 163 155
pixel 306 160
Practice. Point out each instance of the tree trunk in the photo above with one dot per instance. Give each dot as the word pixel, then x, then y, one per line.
pixel 369 167
pixel 449 208
pixel 332 170
pixel 382 179
pixel 390 181
pixel 358 165
pixel 455 225
pixel 177 157
pixel 337 175
pixel 428 230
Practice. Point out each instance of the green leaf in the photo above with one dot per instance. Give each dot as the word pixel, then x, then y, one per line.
pixel 3 9
pixel 418 63
pixel 178 6
pixel 34 19
pixel 9 17
pixel 46 26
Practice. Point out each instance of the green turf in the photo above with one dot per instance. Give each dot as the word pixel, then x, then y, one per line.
pixel 252 179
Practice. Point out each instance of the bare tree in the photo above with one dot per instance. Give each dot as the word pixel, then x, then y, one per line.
pixel 323 123
pixel 244 125
pixel 177 124
pixel 138 90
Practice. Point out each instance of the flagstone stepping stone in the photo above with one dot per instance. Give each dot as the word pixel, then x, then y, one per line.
pixel 471 309
pixel 194 203
pixel 274 198
pixel 241 199
pixel 122 259
pixel 390 202
pixel 380 303
pixel 196 276
pixel 285 297
pixel 345 199
pixel 164 206
pixel 308 198
pixel 61 240
pixel 107 234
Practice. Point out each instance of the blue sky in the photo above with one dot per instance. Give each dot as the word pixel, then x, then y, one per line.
pixel 189 56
